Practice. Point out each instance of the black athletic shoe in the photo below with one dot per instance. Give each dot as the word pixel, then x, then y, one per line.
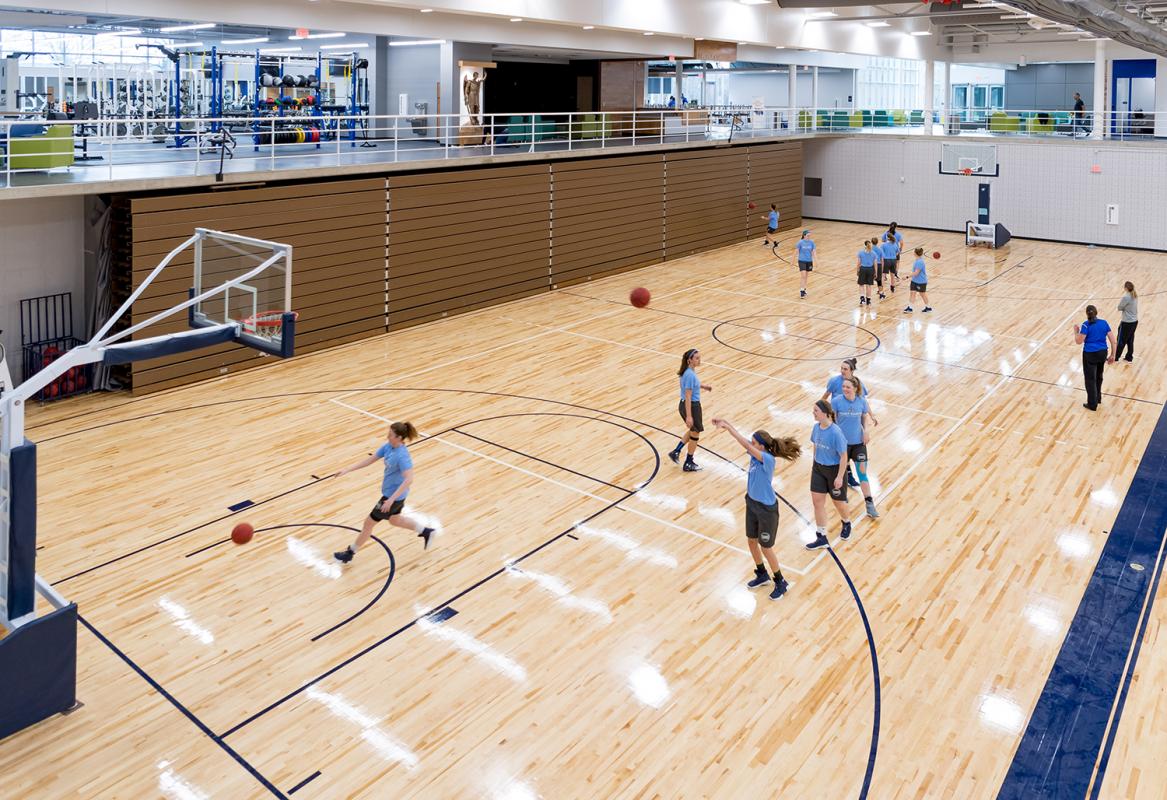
pixel 846 532
pixel 1089 407
pixel 779 589
pixel 862 300
pixel 759 579
pixel 851 479
pixel 1129 360
pixel 802 292
pixel 691 466
pixel 882 296
pixel 819 541
pixel 675 456
pixel 345 555
pixel 927 309
pixel 893 290
pixel 426 535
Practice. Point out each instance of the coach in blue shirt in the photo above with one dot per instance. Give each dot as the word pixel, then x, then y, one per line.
pixel 1094 335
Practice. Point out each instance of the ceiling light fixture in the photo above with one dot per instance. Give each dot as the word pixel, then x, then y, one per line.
pixel 753 2
pixel 427 10
pixel 589 27
pixel 412 42
pixel 257 40
pixel 325 35
pixel 343 46
pixel 198 27
pixel 649 33
pixel 274 50
pixel 516 19
pixel 878 24
pixel 821 14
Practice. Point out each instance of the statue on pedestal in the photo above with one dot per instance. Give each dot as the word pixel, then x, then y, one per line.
pixel 471 95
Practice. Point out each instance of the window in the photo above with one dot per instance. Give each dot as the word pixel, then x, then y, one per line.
pixel 890 84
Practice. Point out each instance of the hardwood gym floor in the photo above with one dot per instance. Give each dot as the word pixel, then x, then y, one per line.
pixel 582 628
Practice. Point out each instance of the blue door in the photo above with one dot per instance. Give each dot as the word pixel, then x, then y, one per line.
pixel 1132 97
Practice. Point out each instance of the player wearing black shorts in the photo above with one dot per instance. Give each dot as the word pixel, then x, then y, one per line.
pixel 826 476
pixel 865 267
pixel 762 502
pixel 852 414
pixel 395 487
pixel 690 409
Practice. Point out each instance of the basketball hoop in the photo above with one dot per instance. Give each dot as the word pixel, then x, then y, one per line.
pixel 268 324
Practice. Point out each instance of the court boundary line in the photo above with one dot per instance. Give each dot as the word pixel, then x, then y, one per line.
pixel 186 712
pixel 1138 530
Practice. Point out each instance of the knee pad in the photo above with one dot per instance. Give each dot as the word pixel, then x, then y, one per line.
pixel 861 468
pixel 694 437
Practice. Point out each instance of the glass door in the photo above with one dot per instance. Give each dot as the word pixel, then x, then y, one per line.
pixel 959 102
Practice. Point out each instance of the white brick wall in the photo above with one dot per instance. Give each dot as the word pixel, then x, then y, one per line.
pixel 1046 189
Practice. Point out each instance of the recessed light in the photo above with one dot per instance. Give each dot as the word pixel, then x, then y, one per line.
pixel 516 19
pixel 257 40
pixel 779 47
pixel 878 24
pixel 649 33
pixel 427 10
pixel 589 27
pixel 324 36
pixel 198 27
pixel 698 38
pixel 821 14
pixel 281 50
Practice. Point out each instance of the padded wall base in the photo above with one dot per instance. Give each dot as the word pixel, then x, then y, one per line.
pixel 38 670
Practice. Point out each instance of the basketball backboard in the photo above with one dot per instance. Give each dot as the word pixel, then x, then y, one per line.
pixel 969 159
pixel 255 278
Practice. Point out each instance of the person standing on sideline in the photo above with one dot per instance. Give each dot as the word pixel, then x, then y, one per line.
pixel 919 282
pixel 865 269
pixel 771 227
pixel 826 476
pixel 1079 114
pixel 761 502
pixel 690 408
pixel 1093 335
pixel 805 260
pixel 1129 306
pixel 852 412
pixel 395 487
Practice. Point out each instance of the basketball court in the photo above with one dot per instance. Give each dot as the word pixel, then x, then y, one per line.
pixel 581 628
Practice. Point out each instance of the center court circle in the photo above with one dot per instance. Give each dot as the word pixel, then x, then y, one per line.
pixel 793 337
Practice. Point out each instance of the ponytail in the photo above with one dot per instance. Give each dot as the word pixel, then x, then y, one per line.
pixel 1091 314
pixel 825 407
pixel 1130 287
pixel 404 429
pixel 685 360
pixel 786 448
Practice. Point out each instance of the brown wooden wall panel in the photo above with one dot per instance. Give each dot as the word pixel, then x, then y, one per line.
pixel 338 234
pixel 776 177
pixel 705 199
pixel 606 217
pixel 463 239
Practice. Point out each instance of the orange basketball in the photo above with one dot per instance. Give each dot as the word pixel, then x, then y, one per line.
pixel 936 255
pixel 639 297
pixel 751 205
pixel 242 533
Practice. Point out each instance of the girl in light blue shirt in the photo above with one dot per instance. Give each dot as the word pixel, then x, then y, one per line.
pixel 762 502
pixel 865 265
pixel 395 485
pixel 826 477
pixel 690 408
